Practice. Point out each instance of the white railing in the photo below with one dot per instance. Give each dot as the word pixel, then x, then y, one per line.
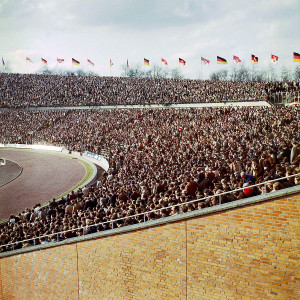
pixel 285 97
pixel 144 214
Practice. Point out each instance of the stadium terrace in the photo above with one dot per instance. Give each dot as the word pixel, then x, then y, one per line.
pixel 158 158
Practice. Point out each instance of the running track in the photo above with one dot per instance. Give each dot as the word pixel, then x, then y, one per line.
pixel 45 175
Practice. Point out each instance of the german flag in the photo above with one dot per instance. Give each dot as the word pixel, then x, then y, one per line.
pixel 296 57
pixel 221 61
pixel 75 62
pixel 110 63
pixel 254 59
pixel 44 61
pixel 146 62
pixel 3 63
pixel 181 61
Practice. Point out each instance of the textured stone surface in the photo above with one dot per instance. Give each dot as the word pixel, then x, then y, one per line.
pixel 250 252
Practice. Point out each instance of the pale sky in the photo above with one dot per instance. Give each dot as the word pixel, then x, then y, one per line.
pixel 136 29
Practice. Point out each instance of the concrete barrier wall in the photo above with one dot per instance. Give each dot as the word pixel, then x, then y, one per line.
pixel 35 147
pixel 247 252
pixel 92 157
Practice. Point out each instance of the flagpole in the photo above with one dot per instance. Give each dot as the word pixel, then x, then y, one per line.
pixel 201 70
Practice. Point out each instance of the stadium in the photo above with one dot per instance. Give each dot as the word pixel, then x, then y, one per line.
pixel 136 188
pixel 149 150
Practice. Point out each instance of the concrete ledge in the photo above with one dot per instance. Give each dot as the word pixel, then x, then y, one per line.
pixel 189 215
pixel 182 105
pixel 35 147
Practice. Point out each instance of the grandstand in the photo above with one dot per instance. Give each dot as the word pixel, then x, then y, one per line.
pixel 59 91
pixel 165 164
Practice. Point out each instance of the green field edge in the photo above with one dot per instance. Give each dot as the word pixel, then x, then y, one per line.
pixel 88 170
pixel 88 174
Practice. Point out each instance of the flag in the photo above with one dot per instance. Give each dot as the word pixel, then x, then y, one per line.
pixel 60 60
pixel 44 61
pixel 164 61
pixel 27 58
pixel 296 57
pixel 236 59
pixel 206 61
pixel 274 58
pixel 254 59
pixel 3 63
pixel 90 62
pixel 146 62
pixel 127 63
pixel 221 61
pixel 75 62
pixel 111 63
pixel 181 61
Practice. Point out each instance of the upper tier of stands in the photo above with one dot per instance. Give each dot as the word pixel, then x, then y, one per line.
pixel 32 90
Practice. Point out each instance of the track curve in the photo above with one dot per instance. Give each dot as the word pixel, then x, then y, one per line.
pixel 45 175
pixel 9 172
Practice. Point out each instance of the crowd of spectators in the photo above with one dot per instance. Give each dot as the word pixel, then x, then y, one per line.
pixel 158 158
pixel 58 91
pixel 279 92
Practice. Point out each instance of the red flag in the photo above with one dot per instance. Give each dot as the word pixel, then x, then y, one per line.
pixel 206 61
pixel 89 61
pixel 164 61
pixel 3 63
pixel 236 59
pixel 274 58
pixel 27 58
pixel 60 60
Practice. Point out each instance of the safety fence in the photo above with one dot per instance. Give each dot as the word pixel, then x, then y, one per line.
pixel 141 217
pixel 285 98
